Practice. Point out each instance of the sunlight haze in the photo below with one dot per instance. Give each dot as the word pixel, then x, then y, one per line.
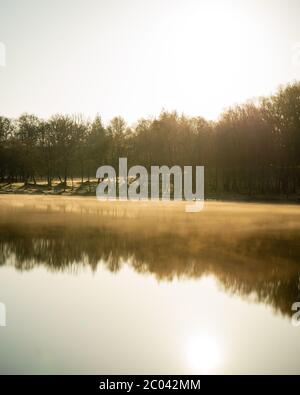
pixel 134 58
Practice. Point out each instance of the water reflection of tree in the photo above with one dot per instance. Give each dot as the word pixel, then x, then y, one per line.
pixel 259 265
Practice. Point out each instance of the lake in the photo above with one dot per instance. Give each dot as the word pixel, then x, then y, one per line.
pixel 143 287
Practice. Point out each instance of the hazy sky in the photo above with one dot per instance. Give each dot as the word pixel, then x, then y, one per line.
pixel 135 57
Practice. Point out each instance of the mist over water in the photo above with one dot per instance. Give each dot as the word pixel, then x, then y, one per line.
pixel 130 258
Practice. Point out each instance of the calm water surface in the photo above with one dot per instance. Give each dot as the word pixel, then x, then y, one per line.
pixel 130 287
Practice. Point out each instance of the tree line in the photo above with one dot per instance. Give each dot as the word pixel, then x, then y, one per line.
pixel 252 149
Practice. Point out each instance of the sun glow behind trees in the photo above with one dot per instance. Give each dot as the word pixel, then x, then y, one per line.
pixel 134 57
pixel 252 149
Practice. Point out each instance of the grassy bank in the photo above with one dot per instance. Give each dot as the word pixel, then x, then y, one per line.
pixel 88 188
pixel 58 188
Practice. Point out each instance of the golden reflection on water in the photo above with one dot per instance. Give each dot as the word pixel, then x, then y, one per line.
pixel 127 287
pixel 252 249
pixel 204 353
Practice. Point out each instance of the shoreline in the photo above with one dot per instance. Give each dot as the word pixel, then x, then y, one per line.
pixel 88 192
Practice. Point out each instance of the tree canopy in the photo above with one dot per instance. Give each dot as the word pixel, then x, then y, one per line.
pixel 252 148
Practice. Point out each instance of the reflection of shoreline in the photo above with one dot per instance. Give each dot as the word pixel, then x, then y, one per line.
pixel 249 253
pixel 89 192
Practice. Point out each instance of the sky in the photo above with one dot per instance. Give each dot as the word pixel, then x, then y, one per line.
pixel 134 58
